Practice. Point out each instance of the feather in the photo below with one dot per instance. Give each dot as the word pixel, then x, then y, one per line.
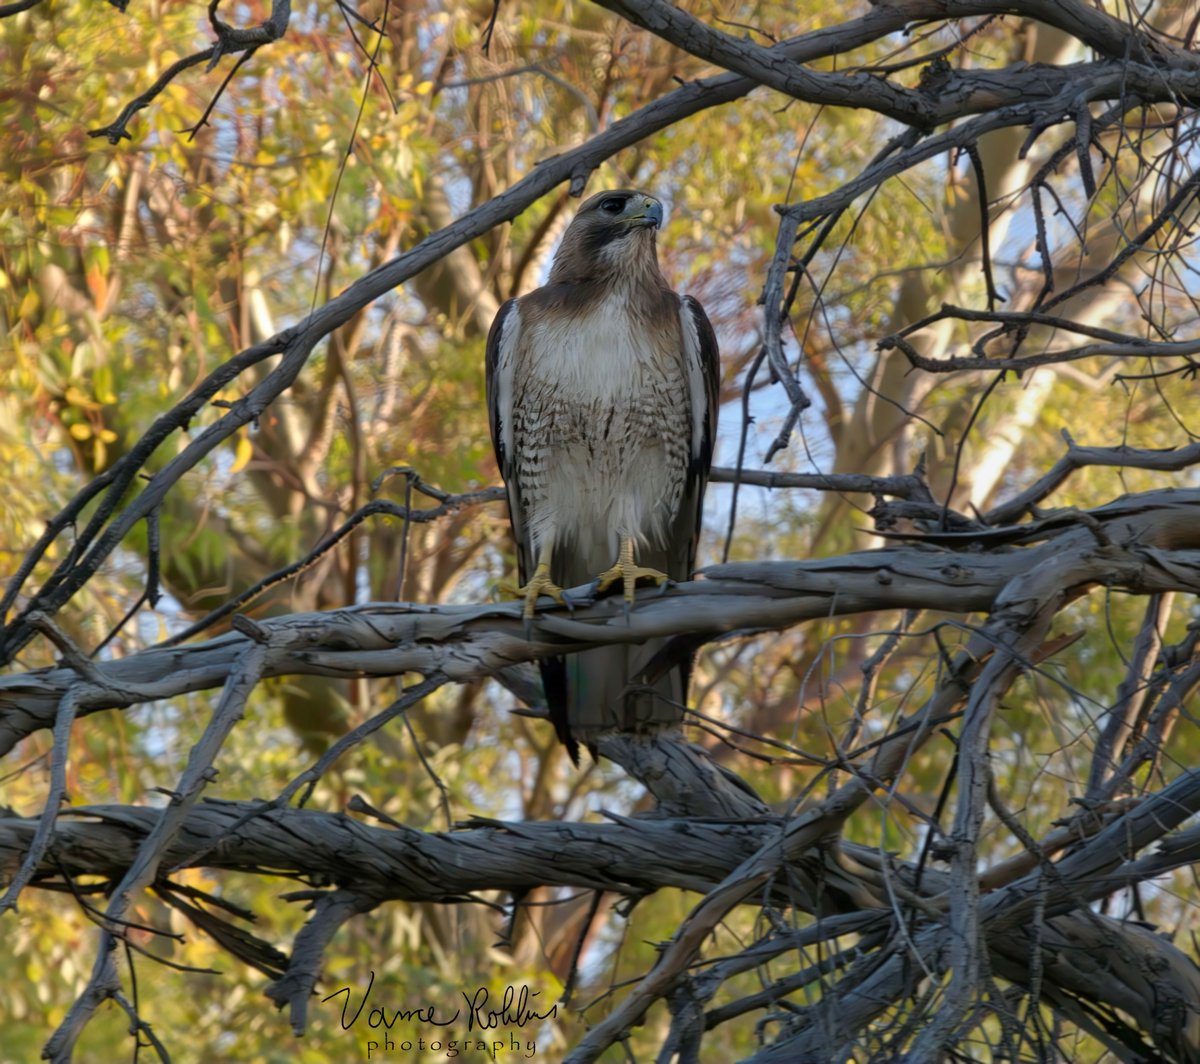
pixel 602 402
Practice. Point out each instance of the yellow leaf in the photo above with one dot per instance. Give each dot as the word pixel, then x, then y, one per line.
pixel 29 304
pixel 241 455
pixel 81 430
pixel 75 397
pixel 424 88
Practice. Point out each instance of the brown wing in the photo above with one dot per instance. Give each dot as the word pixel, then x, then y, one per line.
pixel 501 357
pixel 703 363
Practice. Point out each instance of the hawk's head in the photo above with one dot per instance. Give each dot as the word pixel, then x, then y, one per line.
pixel 612 232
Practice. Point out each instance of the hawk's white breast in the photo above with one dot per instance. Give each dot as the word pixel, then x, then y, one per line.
pixel 602 427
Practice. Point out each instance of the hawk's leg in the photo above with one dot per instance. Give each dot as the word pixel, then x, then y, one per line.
pixel 628 573
pixel 539 584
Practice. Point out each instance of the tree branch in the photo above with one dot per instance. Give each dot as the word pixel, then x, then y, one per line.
pixel 1153 543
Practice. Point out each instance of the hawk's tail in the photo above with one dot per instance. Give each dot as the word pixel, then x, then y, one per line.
pixel 608 689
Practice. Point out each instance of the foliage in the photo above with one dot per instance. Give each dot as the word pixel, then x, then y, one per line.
pixel 131 272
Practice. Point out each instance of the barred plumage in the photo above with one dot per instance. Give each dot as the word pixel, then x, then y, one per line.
pixel 602 402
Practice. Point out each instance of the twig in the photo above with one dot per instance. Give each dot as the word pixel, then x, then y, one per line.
pixel 63 720
pixel 408 698
pixel 244 58
pixel 104 982
pixel 1118 727
pixel 1077 457
pixel 984 396
pixel 985 225
pixel 116 131
pixel 377 507
pixel 139 1027
pixel 1128 347
pixel 485 42
pixel 743 440
pixel 774 317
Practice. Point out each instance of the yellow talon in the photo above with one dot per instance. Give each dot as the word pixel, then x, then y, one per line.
pixel 539 584
pixel 628 573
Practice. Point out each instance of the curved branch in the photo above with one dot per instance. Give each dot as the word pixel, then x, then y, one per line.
pixel 1149 543
pixel 626 855
pixel 370 865
pixel 945 95
pixel 230 39
pixel 15 8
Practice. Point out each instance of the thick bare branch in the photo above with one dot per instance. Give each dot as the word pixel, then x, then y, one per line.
pixel 1152 545
pixel 957 93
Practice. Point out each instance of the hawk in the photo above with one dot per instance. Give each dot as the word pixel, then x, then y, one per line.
pixel 602 403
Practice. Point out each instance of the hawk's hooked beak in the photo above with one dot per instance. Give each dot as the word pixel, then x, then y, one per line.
pixel 648 214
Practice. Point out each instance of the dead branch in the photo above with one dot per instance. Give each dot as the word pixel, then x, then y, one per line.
pixel 230 39
pixel 368 865
pixel 1153 543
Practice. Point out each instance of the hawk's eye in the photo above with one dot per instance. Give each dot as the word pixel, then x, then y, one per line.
pixel 612 205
